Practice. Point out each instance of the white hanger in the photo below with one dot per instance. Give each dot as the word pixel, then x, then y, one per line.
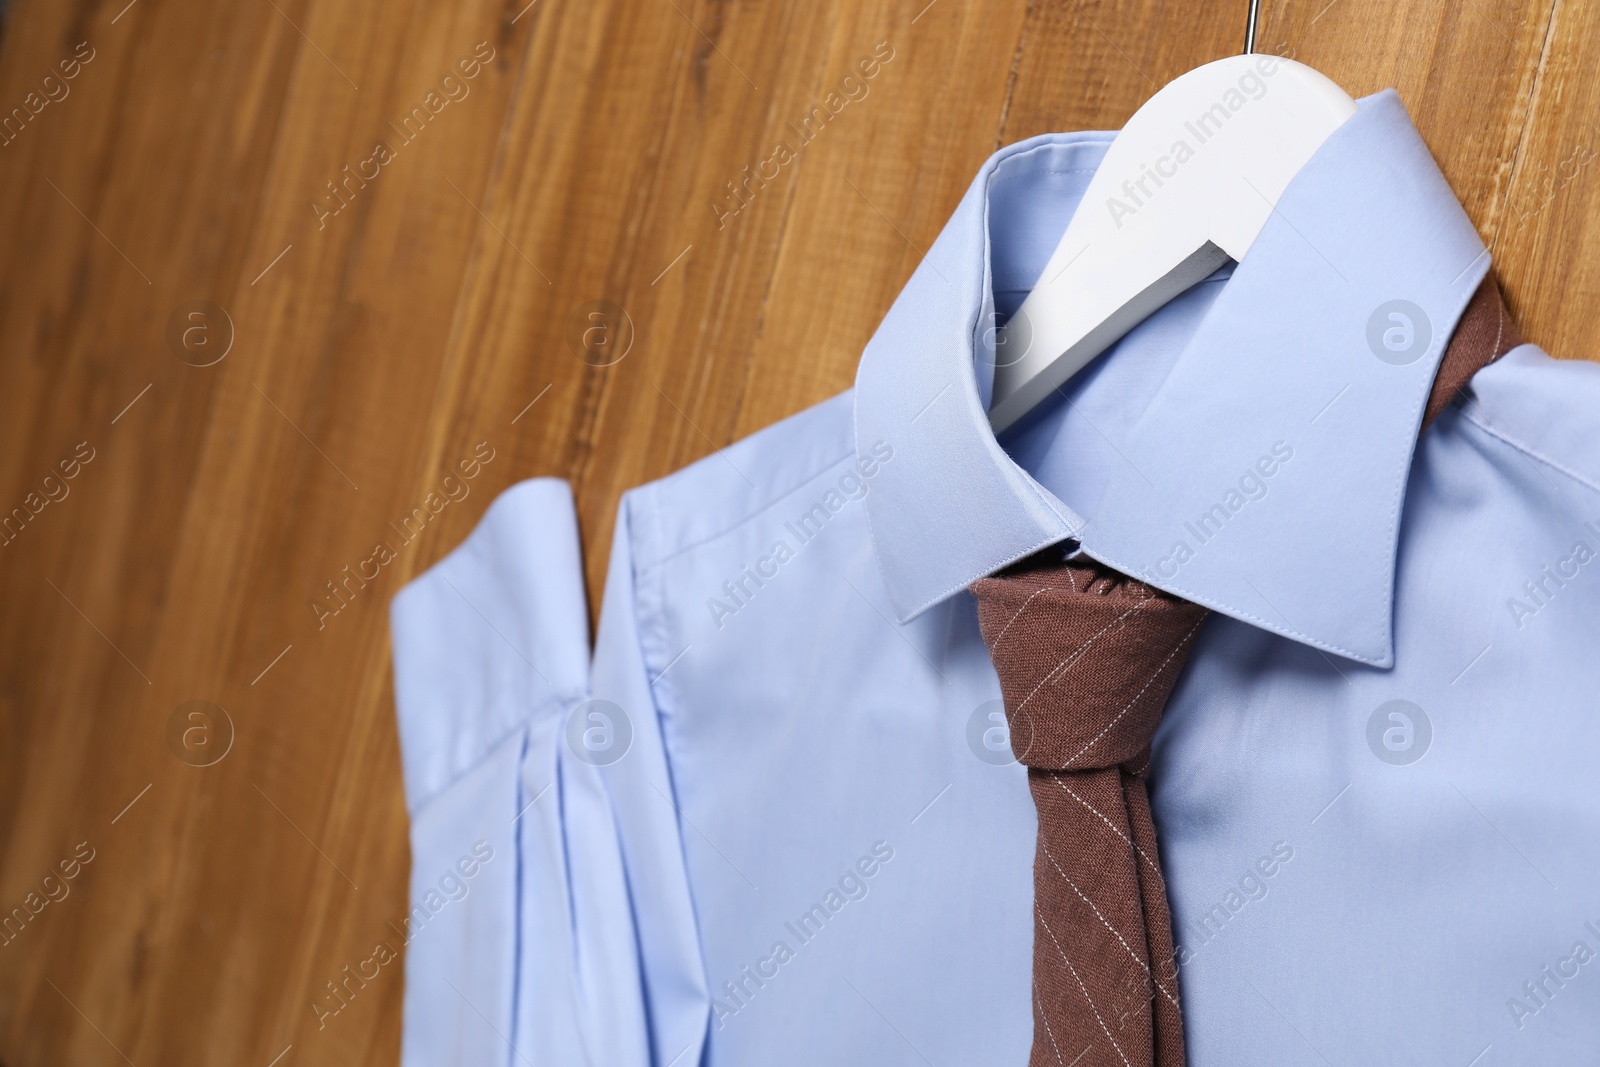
pixel 1188 184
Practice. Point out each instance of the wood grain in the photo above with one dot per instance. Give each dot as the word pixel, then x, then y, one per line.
pixel 374 347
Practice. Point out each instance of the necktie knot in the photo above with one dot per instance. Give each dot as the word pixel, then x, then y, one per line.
pixel 1086 658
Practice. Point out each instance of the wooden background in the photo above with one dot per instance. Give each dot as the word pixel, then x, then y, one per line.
pixel 371 349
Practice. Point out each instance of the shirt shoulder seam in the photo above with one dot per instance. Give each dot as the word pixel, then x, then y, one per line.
pixel 744 518
pixel 1483 424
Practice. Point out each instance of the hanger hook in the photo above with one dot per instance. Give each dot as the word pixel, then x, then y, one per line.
pixel 1250 31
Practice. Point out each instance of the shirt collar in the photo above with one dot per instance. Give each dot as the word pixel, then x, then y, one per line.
pixel 1246 447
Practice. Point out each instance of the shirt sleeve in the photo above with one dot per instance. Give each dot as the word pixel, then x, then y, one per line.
pixel 519 911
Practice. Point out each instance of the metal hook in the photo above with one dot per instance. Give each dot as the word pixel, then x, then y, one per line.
pixel 1250 31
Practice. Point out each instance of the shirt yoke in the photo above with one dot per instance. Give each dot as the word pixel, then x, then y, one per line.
pixel 720 493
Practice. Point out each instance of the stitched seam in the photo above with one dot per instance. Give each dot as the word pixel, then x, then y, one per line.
pixel 1051 170
pixel 1402 470
pixel 1531 452
pixel 647 596
pixel 748 516
pixel 1229 610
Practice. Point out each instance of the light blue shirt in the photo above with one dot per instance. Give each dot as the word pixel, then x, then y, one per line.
pixel 774 820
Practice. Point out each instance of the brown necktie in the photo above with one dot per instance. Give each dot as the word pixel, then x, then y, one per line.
pixel 1086 659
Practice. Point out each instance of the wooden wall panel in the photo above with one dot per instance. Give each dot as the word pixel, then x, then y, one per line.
pixel 374 347
pixel 1549 231
pixel 1467 72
